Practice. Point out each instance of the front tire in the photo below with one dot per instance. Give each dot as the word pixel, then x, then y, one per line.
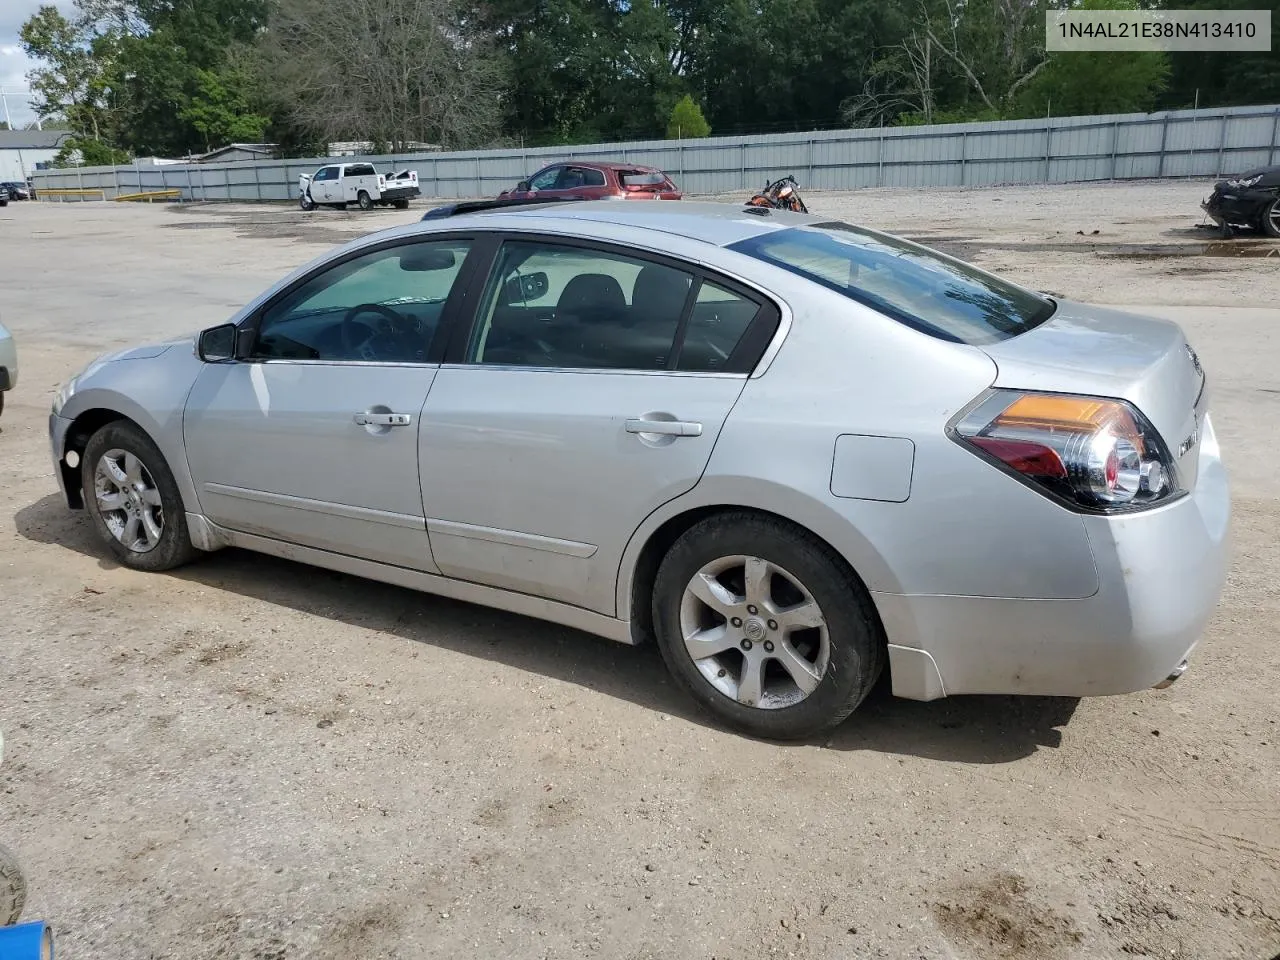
pixel 133 499
pixel 766 626
pixel 1270 220
pixel 13 888
pixel 365 201
pixel 306 203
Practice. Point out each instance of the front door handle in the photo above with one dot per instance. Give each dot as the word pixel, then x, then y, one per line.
pixel 383 419
pixel 665 428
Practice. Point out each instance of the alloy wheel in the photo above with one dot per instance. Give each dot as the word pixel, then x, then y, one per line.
pixel 128 500
pixel 755 632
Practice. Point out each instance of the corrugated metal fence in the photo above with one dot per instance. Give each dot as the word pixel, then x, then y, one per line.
pixel 1180 143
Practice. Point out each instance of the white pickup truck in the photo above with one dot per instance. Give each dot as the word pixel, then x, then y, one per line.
pixel 338 184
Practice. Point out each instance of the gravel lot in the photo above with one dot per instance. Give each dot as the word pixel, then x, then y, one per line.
pixel 254 759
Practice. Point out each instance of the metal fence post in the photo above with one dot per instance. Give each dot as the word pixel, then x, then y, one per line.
pixel 1115 146
pixel 1275 136
pixel 744 164
pixel 1222 143
pixel 1164 140
pixel 1048 146
pixel 880 160
pixel 964 139
pixel 257 183
pixel 809 182
pixel 191 190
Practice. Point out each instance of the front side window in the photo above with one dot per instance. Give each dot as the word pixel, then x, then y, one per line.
pixel 915 286
pixel 383 306
pixel 327 173
pixel 547 305
pixel 546 179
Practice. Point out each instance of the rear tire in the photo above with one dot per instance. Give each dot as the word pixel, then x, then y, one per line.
pixel 133 499
pixel 365 201
pixel 401 204
pixel 1270 219
pixel 787 641
pixel 13 888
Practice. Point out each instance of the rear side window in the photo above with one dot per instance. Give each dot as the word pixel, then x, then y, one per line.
pixel 360 170
pixel 591 178
pixel 642 178
pixel 716 326
pixel 915 286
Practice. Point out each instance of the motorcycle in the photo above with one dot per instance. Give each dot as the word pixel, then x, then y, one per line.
pixel 783 194
pixel 18 941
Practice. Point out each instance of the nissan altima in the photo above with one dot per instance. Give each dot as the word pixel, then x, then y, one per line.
pixel 793 451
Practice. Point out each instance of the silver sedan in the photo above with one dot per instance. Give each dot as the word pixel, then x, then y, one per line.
pixel 8 364
pixel 793 451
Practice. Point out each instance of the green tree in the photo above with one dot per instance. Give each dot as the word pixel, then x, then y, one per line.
pixel 687 120
pixel 1091 83
pixel 220 110
pixel 73 79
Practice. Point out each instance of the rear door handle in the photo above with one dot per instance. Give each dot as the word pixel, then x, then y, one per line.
pixel 666 428
pixel 383 419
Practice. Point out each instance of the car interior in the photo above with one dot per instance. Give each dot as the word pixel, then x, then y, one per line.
pixel 593 323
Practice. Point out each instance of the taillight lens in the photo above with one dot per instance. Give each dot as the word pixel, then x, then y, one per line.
pixel 1095 453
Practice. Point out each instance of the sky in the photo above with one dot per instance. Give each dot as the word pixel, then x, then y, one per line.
pixel 13 62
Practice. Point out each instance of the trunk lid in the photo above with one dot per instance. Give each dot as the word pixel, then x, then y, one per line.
pixel 1109 353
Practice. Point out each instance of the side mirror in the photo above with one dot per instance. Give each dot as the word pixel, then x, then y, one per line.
pixel 217 344
pixel 523 186
pixel 526 287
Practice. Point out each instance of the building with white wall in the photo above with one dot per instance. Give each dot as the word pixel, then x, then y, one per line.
pixel 21 150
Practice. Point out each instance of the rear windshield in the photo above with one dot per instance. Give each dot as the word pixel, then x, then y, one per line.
pixel 642 178
pixel 916 286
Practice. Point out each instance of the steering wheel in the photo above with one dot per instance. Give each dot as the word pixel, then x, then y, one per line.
pixel 389 330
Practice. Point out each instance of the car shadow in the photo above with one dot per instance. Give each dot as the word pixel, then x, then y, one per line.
pixel 976 729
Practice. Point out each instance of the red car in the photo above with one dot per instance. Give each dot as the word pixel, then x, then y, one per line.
pixel 596 181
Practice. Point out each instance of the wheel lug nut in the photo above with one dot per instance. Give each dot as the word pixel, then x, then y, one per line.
pixel 751 610
pixel 773 624
pixel 746 644
pixel 768 646
pixel 720 673
pixel 736 621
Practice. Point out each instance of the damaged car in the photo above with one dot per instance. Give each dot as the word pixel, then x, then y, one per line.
pixel 1250 200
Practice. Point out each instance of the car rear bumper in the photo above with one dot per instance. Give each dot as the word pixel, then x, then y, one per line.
pixel 400 193
pixel 1161 573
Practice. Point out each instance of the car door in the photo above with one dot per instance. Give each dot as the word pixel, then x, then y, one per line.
pixel 586 182
pixel 326 178
pixel 312 437
pixel 590 390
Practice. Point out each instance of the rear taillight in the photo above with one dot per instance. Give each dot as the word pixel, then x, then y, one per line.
pixel 1095 453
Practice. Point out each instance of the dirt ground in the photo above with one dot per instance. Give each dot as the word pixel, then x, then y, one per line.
pixel 254 759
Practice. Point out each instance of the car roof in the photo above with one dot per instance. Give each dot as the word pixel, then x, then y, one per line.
pixel 602 165
pixel 720 224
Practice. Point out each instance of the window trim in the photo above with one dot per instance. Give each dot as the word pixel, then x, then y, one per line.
pixel 752 349
pixel 453 313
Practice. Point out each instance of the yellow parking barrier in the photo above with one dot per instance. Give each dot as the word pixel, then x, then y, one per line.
pixel 150 195
pixel 45 193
